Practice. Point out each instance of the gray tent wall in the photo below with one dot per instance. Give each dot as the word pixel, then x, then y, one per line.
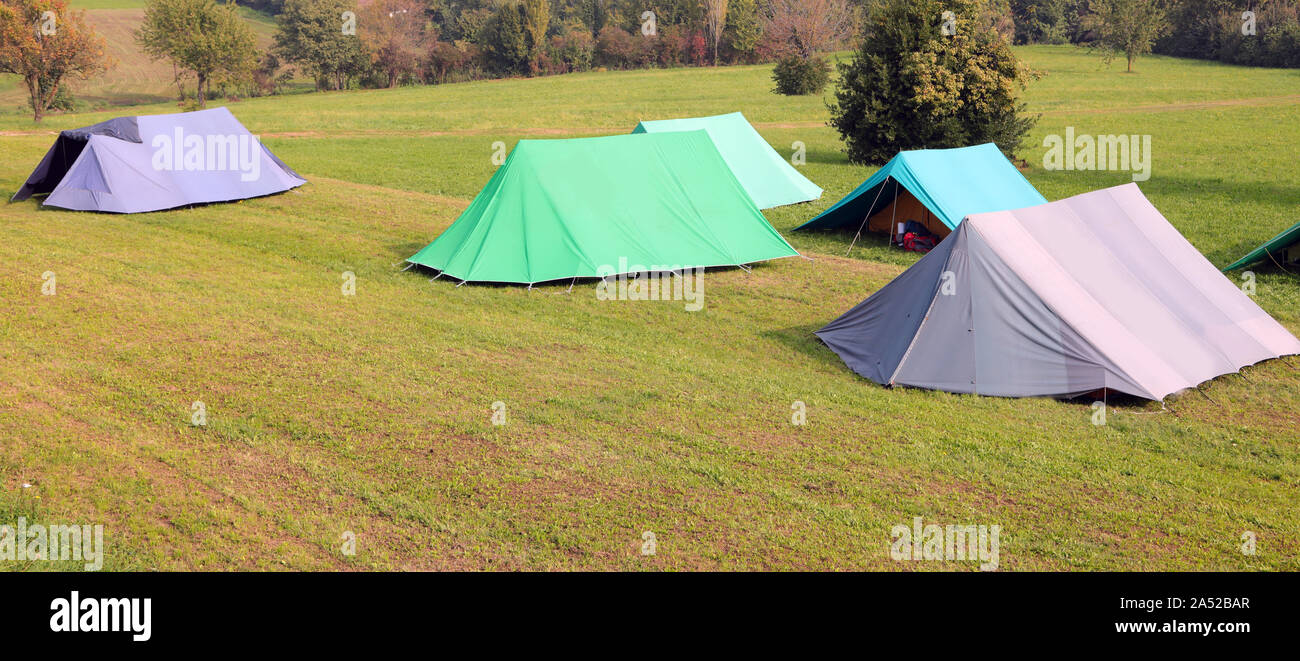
pixel 925 330
pixel 1095 291
pixel 874 335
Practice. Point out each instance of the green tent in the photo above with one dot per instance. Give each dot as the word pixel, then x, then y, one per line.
pixel 769 179
pixel 1281 249
pixel 595 207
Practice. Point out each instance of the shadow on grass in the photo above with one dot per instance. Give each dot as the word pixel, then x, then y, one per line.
pixel 402 251
pixel 801 339
pixel 564 283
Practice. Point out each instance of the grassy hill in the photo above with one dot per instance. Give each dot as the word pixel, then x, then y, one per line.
pixel 371 414
pixel 135 79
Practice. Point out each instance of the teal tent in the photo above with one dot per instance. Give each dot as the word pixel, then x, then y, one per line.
pixel 768 178
pixel 935 187
pixel 1281 249
pixel 596 207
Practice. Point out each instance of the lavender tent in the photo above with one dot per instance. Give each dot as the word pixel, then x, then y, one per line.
pixel 155 162
pixel 1061 299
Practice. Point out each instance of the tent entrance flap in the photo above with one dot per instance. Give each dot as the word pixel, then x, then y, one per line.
pixel 903 208
pixel 51 169
pixel 67 147
pixel 949 183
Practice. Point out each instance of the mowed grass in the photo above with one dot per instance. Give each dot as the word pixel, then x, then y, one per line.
pixel 371 414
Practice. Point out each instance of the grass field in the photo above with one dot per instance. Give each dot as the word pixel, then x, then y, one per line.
pixel 135 78
pixel 372 413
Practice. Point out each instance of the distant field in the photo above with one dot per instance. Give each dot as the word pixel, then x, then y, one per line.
pixel 106 4
pixel 371 414
pixel 135 79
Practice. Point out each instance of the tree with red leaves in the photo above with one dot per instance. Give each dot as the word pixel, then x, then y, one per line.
pixel 807 27
pixel 45 44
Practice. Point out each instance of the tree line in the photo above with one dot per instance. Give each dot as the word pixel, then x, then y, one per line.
pixel 386 43
pixel 1246 32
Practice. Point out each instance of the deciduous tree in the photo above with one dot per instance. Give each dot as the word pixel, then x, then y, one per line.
pixel 807 27
pixel 200 36
pixel 537 20
pixel 397 35
pixel 45 44
pixel 715 20
pixel 321 35
pixel 1130 27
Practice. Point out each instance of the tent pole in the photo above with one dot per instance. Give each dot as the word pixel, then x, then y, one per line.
pixel 436 276
pixel 408 267
pixel 867 217
pixel 893 213
pixel 571 284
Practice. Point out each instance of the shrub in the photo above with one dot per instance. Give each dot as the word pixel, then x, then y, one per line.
pixel 268 78
pixel 796 76
pixel 697 49
pixel 62 101
pixel 574 50
pixel 446 62
pixel 1283 45
pixel 1276 42
pixel 619 49
pixel 670 46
